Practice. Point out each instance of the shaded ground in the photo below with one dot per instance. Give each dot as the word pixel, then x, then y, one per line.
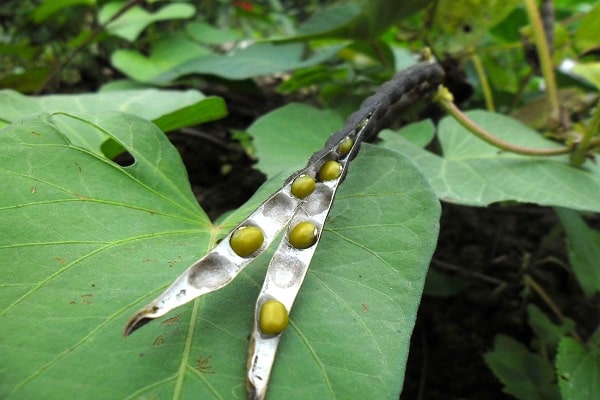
pixel 492 250
pixel 488 250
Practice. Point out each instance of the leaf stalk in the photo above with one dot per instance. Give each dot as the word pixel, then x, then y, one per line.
pixel 445 99
pixel 485 84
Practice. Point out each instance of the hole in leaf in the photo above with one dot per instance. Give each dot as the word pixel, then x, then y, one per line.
pixel 124 159
pixel 113 150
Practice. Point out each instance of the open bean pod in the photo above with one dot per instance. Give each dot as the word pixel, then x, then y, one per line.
pixel 241 246
pixel 292 258
pixel 301 205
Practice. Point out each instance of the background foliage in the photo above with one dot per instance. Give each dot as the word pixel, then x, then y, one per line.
pixel 97 213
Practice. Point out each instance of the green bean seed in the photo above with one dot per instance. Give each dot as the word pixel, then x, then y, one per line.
pixel 345 146
pixel 303 186
pixel 246 240
pixel 303 235
pixel 330 170
pixel 273 318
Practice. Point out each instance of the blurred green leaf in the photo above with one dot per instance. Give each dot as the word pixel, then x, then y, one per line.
pixel 26 81
pixel 578 369
pixel 587 36
pixel 306 77
pixel 459 25
pixel 589 71
pixel 133 21
pixel 547 332
pixel 255 60
pixel 25 51
pixel 583 245
pixel 208 34
pixel 536 112
pixel 362 20
pixel 50 7
pixel 168 52
pixel 525 375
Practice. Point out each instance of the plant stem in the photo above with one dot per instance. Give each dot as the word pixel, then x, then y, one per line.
pixel 545 60
pixel 444 98
pixel 549 302
pixel 485 84
pixel 587 141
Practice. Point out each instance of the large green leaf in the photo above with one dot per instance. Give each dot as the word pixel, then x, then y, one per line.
pixel 168 109
pixel 275 136
pixel 84 243
pixel 472 172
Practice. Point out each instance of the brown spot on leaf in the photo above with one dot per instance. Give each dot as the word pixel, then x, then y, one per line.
pixel 61 260
pixel 175 261
pixel 159 340
pixel 203 365
pixel 172 320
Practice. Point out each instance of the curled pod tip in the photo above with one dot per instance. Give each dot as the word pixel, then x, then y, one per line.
pixel 345 146
pixel 246 240
pixel 273 318
pixel 330 170
pixel 303 235
pixel 303 186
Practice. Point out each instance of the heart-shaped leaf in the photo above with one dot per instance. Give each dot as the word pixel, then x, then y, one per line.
pixel 472 172
pixel 84 243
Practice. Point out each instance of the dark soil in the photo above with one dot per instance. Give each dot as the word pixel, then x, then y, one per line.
pixel 490 250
